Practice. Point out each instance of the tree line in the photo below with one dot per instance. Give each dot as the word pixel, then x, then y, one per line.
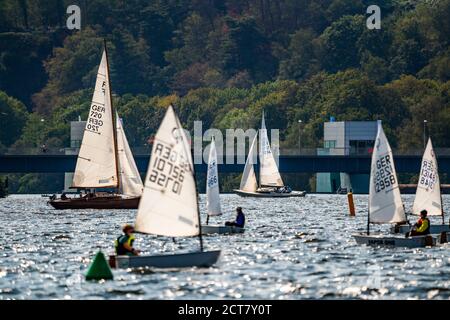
pixel 223 62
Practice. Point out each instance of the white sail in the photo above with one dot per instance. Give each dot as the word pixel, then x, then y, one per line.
pixel 212 183
pixel 248 180
pixel 268 169
pixel 385 203
pixel 428 194
pixel 96 164
pixel 130 179
pixel 168 205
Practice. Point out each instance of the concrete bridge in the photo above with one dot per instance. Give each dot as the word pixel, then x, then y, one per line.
pixel 44 163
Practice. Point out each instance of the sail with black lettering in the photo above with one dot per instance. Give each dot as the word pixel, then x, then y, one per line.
pixel 385 203
pixel 130 179
pixel 248 180
pixel 268 169
pixel 168 206
pixel 428 194
pixel 212 183
pixel 97 159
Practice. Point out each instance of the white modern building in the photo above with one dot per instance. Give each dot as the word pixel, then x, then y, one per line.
pixel 346 138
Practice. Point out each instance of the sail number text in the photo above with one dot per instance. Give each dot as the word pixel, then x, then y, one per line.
pixel 212 176
pixel 168 168
pixel 428 175
pixel 94 122
pixel 384 177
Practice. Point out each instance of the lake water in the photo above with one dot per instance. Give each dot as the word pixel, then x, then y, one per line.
pixel 45 253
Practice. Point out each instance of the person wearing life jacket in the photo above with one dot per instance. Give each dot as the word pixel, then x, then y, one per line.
pixel 124 243
pixel 422 226
pixel 240 219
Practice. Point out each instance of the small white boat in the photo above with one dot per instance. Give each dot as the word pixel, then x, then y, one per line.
pixel 396 241
pixel 169 203
pixel 385 202
pixel 428 194
pixel 213 197
pixel 207 229
pixel 271 183
pixel 269 194
pixel 182 260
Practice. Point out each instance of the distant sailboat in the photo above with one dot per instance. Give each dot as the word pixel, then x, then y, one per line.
pixel 269 176
pixel 104 159
pixel 385 203
pixel 213 196
pixel 169 204
pixel 428 194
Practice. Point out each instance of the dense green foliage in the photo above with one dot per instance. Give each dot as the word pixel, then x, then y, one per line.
pixel 223 62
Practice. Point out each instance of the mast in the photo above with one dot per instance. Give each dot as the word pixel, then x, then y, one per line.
pixel 113 117
pixel 200 238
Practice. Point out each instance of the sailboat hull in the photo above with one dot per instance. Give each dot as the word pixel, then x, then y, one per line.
pixel 257 194
pixel 395 241
pixel 203 259
pixel 434 228
pixel 207 229
pixel 101 202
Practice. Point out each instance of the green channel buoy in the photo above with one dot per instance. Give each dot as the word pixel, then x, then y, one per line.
pixel 99 268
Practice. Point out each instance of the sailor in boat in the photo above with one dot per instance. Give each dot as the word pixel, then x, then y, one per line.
pixel 240 219
pixel 64 196
pixel 422 226
pixel 124 243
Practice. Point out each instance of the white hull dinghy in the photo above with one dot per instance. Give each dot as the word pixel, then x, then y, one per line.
pixel 269 176
pixel 385 202
pixel 207 229
pixel 213 197
pixel 169 203
pixel 269 194
pixel 204 259
pixel 428 193
pixel 395 241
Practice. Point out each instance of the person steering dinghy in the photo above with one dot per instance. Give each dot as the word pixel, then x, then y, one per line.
pixel 240 219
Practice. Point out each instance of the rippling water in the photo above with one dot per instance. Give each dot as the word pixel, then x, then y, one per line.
pixel 45 253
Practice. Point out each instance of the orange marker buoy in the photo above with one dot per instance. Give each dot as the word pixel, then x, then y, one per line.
pixel 351 204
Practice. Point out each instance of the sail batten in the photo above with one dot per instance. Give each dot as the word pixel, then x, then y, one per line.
pixel 428 193
pixel 268 169
pixel 98 144
pixel 385 203
pixel 212 183
pixel 168 206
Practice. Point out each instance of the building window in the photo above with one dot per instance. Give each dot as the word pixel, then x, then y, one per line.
pixel 329 144
pixel 361 146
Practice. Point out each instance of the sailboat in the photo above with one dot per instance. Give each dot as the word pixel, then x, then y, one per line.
pixel 385 203
pixel 269 175
pixel 169 203
pixel 428 193
pixel 105 159
pixel 213 196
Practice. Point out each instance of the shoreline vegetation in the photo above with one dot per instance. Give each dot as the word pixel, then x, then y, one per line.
pixel 224 62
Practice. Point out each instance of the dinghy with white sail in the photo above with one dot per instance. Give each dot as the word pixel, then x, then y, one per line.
pixel 385 203
pixel 428 194
pixel 169 204
pixel 213 196
pixel 271 183
pixel 104 159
